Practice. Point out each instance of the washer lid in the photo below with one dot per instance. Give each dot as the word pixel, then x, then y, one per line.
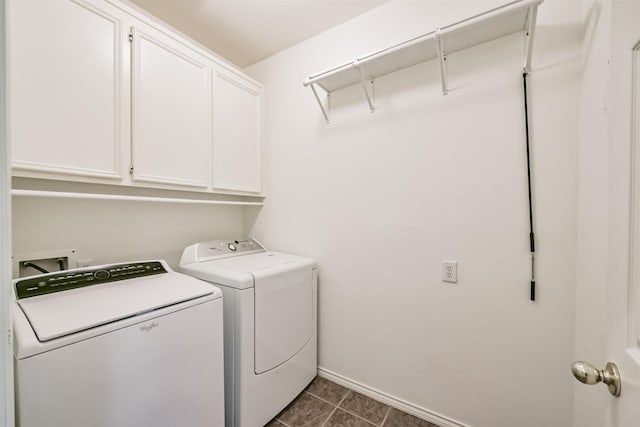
pixel 58 314
pixel 238 271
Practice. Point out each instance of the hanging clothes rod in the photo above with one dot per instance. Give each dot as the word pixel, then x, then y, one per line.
pixel 92 196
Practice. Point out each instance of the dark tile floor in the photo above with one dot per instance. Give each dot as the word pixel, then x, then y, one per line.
pixel 326 404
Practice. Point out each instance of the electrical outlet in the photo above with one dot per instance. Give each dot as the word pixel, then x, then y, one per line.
pixel 450 271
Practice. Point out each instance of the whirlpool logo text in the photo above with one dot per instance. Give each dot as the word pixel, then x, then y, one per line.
pixel 147 328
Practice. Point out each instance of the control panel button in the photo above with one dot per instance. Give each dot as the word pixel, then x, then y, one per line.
pixel 232 247
pixel 101 274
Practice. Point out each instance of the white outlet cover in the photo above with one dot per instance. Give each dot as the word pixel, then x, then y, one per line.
pixel 450 271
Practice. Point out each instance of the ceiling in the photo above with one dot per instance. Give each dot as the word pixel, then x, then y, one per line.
pixel 247 31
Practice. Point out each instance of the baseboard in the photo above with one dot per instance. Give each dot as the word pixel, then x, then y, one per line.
pixel 392 401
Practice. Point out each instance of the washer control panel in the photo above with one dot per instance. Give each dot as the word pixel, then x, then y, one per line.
pixel 78 278
pixel 225 248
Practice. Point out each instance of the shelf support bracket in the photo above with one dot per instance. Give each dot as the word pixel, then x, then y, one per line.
pixel 442 58
pixel 372 108
pixel 530 32
pixel 325 113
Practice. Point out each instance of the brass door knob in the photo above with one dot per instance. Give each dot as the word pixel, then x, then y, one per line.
pixel 586 373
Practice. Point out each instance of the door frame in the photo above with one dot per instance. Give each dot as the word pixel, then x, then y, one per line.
pixel 6 355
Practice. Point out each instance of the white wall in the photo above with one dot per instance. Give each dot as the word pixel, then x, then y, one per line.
pixel 118 231
pixel 380 200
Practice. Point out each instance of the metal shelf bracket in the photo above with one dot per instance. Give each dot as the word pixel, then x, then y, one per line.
pixel 325 112
pixel 442 58
pixel 516 16
pixel 529 34
pixel 363 80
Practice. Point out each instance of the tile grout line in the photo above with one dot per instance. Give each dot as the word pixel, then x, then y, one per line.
pixel 350 412
pixel 325 400
pixel 385 417
pixel 362 418
pixel 335 408
pixel 282 422
pixel 365 419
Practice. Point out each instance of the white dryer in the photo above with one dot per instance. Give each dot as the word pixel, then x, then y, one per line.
pixel 269 324
pixel 132 344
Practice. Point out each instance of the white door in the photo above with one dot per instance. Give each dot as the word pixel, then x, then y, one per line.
pixel 608 292
pixel 170 111
pixel 65 88
pixel 237 128
pixel 623 299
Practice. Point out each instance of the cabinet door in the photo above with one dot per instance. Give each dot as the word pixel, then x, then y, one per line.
pixel 64 85
pixel 237 127
pixel 170 111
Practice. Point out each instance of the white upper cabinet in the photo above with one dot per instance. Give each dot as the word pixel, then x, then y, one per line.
pixel 65 88
pixel 171 106
pixel 100 93
pixel 237 128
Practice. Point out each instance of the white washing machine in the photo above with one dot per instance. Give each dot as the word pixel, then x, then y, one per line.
pixel 269 324
pixel 132 344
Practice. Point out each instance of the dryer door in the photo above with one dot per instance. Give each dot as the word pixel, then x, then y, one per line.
pixel 283 313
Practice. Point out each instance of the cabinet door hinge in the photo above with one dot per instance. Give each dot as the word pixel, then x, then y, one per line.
pixel 131 170
pixel 130 37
